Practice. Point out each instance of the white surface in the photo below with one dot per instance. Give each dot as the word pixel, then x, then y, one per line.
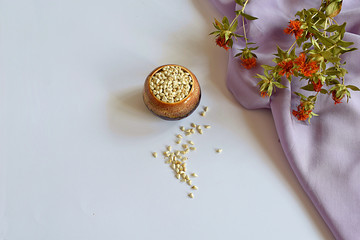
pixel 76 138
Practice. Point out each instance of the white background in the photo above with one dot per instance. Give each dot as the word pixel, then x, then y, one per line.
pixel 76 138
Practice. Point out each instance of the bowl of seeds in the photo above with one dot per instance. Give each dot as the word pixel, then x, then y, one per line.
pixel 171 92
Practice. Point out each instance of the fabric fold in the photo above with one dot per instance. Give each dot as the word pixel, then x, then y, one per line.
pixel 324 155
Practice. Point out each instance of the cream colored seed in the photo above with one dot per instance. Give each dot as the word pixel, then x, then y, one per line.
pixel 185 158
pixel 173 166
pixel 185 146
pixel 182 180
pixel 188 182
pixel 200 131
pixel 177 170
pixel 186 151
pixel 195 187
pixel 207 126
pixel 188 133
pixel 185 169
pixel 193 124
pixel 168 148
pixel 182 128
pixel 192 130
pixel 191 195
pixel 202 114
pixel 206 109
pixel 194 175
pixel 191 142
pixel 219 150
pixel 187 177
pixel 183 152
pixel 183 175
pixel 177 176
pixel 178 141
pixel 179 136
pixel 193 148
pixel 154 154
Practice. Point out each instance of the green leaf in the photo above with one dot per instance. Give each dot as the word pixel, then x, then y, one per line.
pixel 215 32
pixel 267 67
pixel 248 17
pixel 261 77
pixel 233 27
pixel 300 95
pixel 279 85
pixel 306 46
pixel 333 9
pixel 323 91
pixel 333 28
pixel 345 44
pixel 225 21
pixel 308 87
pixel 326 41
pixel 240 2
pixel 352 87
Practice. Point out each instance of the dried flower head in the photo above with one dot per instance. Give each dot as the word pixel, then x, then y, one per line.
pixel 220 41
pixel 294 28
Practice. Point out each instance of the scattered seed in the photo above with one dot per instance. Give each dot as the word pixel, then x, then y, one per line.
pixel 168 148
pixel 185 146
pixel 182 128
pixel 177 176
pixel 191 195
pixel 195 187
pixel 188 182
pixel 207 126
pixel 202 114
pixel 154 154
pixel 219 150
pixel 191 142
pixel 194 175
pixel 187 177
pixel 192 148
pixel 206 109
pixel 192 130
pixel 178 141
pixel 200 131
pixel 179 136
pixel 193 124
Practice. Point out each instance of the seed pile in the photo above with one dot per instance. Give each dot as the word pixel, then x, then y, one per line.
pixel 178 158
pixel 171 84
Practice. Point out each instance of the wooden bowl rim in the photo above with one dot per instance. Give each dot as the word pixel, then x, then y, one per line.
pixel 177 65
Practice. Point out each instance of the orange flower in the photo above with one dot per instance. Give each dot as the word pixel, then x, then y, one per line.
pixel 287 67
pixel 317 86
pixel 301 114
pixel 336 100
pixel 248 62
pixel 220 41
pixel 294 28
pixel 264 94
pixel 307 68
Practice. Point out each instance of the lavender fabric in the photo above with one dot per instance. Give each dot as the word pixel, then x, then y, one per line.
pixel 324 155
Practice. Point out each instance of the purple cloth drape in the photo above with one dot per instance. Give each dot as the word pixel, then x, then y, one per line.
pixel 324 155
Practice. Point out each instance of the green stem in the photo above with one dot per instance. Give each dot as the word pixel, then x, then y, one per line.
pixel 246 41
pixel 291 47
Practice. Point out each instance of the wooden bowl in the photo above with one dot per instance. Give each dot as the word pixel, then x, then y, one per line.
pixel 176 110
